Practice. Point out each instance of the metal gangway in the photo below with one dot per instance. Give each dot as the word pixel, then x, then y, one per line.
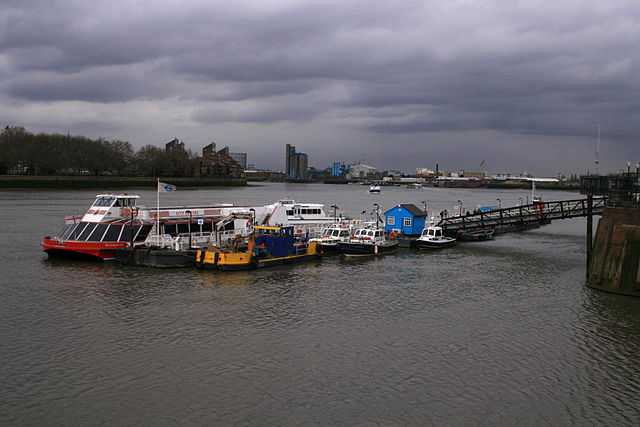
pixel 523 217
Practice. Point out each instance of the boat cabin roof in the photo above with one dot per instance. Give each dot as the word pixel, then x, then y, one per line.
pixel 119 196
pixel 272 228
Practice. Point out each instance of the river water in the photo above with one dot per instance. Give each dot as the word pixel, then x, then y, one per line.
pixel 487 333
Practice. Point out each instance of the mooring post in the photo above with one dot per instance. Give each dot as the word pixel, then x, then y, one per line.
pixel 589 230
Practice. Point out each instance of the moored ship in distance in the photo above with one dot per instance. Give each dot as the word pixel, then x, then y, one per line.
pixel 458 182
pixel 267 246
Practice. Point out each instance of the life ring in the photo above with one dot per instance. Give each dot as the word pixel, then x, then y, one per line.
pixel 541 205
pixel 392 235
pixel 155 215
pixel 135 211
pixel 126 211
pixel 539 213
pixel 249 223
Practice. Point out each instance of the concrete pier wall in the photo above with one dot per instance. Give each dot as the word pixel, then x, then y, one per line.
pixel 615 259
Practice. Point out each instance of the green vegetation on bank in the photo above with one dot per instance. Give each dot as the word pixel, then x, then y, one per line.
pixel 13 181
pixel 66 161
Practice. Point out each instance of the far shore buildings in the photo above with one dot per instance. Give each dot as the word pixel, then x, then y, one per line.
pixel 297 164
pixel 361 171
pixel 213 163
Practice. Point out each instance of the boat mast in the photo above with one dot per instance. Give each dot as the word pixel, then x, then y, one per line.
pixel 533 189
pixel 598 153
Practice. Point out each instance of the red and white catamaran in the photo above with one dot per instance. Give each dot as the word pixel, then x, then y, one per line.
pixel 113 221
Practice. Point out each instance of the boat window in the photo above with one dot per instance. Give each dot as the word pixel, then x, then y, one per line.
pixel 144 232
pixel 103 201
pixel 325 232
pixel 344 233
pixel 65 229
pixel 97 234
pixel 378 233
pixel 183 227
pixel 87 231
pixel 438 232
pixel 117 203
pixel 206 226
pixel 289 212
pixel 112 233
pixel 77 231
pixel 169 229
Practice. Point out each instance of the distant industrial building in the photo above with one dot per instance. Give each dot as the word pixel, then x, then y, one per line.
pixel 361 171
pixel 241 158
pixel 297 164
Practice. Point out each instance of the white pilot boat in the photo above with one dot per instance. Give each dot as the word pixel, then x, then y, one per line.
pixel 368 242
pixel 331 236
pixel 432 237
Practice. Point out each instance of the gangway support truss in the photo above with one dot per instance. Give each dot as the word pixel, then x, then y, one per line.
pixel 522 217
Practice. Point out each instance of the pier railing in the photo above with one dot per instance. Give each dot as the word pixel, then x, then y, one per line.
pixel 522 217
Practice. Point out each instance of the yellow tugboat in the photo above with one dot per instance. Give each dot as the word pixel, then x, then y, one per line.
pixel 267 246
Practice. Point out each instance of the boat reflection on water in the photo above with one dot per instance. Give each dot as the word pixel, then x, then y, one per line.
pixel 211 279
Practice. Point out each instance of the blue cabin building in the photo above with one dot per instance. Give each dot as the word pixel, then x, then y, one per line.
pixel 407 218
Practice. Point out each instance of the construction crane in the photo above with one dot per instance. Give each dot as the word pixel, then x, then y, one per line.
pixel 480 167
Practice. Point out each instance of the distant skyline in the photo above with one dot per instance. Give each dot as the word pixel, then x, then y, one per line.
pixel 521 85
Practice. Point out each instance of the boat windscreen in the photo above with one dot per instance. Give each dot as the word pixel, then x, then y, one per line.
pixel 104 201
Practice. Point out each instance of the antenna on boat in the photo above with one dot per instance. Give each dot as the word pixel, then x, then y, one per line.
pixel 598 153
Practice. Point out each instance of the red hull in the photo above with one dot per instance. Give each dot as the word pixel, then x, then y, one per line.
pixel 104 251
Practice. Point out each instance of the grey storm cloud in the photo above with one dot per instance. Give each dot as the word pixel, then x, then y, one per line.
pixel 544 68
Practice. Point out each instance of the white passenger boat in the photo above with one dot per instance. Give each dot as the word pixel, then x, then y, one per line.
pixel 373 188
pixel 308 219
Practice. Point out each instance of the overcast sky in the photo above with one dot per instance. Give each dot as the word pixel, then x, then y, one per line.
pixel 522 85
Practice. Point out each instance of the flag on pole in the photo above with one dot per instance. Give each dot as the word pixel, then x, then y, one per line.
pixel 166 188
